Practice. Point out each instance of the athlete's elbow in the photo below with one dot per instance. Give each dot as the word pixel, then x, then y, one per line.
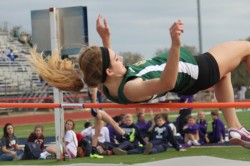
pixel 171 86
pixel 168 86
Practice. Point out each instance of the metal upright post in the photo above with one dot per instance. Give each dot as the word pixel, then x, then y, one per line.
pixel 199 26
pixel 58 95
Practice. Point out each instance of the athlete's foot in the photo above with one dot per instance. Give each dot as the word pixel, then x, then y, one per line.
pixel 239 137
pixel 95 156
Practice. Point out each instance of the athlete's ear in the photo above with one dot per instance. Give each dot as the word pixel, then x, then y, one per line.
pixel 109 72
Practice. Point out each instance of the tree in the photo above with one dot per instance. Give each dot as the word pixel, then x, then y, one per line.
pixel 161 51
pixel 130 58
pixel 240 76
pixel 191 49
pixel 15 31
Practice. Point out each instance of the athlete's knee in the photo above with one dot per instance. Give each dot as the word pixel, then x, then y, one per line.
pixel 96 113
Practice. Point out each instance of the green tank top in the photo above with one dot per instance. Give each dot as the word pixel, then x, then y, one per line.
pixel 152 68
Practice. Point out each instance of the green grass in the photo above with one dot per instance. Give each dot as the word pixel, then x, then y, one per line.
pixel 49 129
pixel 234 153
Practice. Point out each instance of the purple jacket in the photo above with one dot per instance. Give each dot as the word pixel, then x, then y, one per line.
pixel 112 133
pixel 192 129
pixel 144 126
pixel 218 130
pixel 202 126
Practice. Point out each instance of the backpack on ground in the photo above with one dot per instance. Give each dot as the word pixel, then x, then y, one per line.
pixel 86 144
pixel 32 150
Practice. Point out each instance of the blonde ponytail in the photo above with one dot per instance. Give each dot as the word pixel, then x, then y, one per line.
pixel 58 73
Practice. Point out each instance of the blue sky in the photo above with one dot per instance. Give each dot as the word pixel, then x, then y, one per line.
pixel 142 26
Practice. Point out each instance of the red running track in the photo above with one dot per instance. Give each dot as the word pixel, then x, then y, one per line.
pixel 49 117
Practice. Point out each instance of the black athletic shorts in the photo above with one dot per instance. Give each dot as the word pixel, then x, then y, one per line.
pixel 209 73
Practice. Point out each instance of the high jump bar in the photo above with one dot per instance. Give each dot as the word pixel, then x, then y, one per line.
pixel 114 105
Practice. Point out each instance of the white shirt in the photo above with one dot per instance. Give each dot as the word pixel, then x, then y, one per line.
pixel 173 128
pixel 70 137
pixel 87 132
pixel 104 135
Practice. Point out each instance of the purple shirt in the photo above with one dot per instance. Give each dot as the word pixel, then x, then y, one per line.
pixel 112 133
pixel 219 130
pixel 192 129
pixel 202 126
pixel 188 98
pixel 144 126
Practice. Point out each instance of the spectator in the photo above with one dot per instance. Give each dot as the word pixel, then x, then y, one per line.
pixel 242 94
pixel 113 135
pixel 10 149
pixel 170 124
pixel 87 131
pixel 142 124
pixel 70 141
pixel 191 132
pixel 243 91
pixel 218 129
pixel 162 136
pixel 4 56
pixel 11 55
pixel 123 120
pixel 135 143
pixel 202 122
pixel 37 136
pixel 181 121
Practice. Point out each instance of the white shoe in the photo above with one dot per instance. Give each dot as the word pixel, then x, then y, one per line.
pixel 189 142
pixel 16 158
pixel 195 143
pixel 42 157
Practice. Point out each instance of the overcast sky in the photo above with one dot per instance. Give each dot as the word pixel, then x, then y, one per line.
pixel 142 26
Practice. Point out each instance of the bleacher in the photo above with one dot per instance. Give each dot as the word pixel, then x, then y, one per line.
pixel 17 78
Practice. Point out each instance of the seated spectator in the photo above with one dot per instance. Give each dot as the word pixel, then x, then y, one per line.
pixel 181 120
pixel 202 122
pixel 10 149
pixel 135 143
pixel 37 136
pixel 87 131
pixel 70 141
pixel 123 120
pixel 113 135
pixel 172 126
pixel 142 124
pixel 218 129
pixel 11 55
pixel 162 136
pixel 191 132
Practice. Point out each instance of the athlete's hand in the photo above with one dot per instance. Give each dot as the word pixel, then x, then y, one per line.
pixel 175 31
pixel 103 29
